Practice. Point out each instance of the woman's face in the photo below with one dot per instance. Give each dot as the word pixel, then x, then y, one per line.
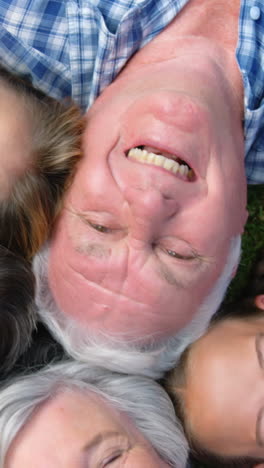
pixel 81 430
pixel 224 394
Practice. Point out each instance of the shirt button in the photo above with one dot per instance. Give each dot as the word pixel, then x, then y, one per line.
pixel 255 13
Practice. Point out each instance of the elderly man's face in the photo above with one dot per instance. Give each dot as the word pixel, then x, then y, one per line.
pixel 142 239
pixel 75 430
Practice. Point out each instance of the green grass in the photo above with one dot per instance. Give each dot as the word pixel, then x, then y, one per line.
pixel 252 241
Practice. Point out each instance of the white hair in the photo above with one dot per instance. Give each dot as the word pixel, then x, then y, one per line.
pixel 152 359
pixel 141 398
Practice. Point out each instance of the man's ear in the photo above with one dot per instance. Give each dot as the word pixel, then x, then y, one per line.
pixel 259 303
pixel 261 465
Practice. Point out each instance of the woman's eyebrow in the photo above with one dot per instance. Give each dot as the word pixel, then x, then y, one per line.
pixel 259 439
pixel 98 439
pixel 259 338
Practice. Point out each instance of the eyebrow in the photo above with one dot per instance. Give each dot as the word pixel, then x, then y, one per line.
pixel 99 251
pixel 260 357
pixel 99 438
pixel 166 275
pixel 259 439
pixel 92 249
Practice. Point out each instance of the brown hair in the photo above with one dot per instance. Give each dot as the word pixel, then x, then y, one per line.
pixel 175 382
pixel 27 214
pixel 17 308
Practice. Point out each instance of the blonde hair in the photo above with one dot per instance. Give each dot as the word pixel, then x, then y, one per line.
pixel 27 214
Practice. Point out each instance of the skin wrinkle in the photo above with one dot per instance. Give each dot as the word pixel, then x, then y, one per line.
pixel 100 251
pixel 125 452
pixel 100 287
pixel 90 249
pixel 100 438
pixel 163 272
pixel 168 276
pixel 127 275
pixel 123 334
pixel 120 294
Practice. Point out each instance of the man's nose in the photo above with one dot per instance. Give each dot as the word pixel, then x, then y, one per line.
pixel 149 209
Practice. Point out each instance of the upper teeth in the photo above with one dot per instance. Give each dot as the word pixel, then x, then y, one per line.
pixel 159 160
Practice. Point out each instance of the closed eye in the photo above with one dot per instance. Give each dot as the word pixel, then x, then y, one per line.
pixel 188 256
pixel 100 227
pixel 177 248
pixel 174 254
pixel 112 458
pixel 107 449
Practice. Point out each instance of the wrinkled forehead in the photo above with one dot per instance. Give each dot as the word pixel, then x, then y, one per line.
pixel 123 294
pixel 120 299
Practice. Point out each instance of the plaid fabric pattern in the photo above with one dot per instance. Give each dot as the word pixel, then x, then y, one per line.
pixel 77 47
pixel 250 57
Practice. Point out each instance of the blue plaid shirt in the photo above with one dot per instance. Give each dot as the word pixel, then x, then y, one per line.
pixel 76 48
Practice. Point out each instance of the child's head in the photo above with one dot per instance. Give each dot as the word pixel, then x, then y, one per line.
pixel 218 384
pixel 218 389
pixel 17 308
pixel 39 147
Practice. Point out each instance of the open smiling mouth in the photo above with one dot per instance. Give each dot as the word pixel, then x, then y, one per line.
pixel 163 159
